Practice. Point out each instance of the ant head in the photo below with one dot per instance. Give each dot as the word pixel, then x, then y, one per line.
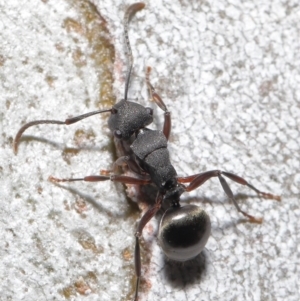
pixel 183 232
pixel 127 118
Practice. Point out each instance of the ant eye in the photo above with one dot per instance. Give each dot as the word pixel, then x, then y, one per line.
pixel 118 134
pixel 149 111
pixel 114 111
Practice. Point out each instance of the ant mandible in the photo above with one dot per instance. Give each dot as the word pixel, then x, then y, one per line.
pixel 183 230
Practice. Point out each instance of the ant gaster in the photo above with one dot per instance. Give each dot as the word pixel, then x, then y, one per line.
pixel 183 230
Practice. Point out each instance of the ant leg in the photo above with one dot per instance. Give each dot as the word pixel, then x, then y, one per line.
pixel 142 223
pixel 199 179
pixel 122 162
pixel 66 122
pixel 242 181
pixel 153 95
pixel 157 99
pixel 130 163
pixel 114 178
pixel 125 161
pixel 167 125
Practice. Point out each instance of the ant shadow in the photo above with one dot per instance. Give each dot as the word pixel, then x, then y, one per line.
pixel 184 274
pixel 181 275
pixel 61 146
pixel 77 193
pixel 88 198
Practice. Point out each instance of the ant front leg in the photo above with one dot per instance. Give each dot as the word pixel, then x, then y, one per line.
pixel 137 254
pixel 199 179
pixel 123 161
pixel 157 99
pixel 132 165
pixel 128 162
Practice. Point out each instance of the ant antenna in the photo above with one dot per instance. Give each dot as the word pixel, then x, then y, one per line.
pixel 132 9
pixel 66 122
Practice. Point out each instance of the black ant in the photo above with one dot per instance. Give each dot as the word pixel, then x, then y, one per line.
pixel 183 230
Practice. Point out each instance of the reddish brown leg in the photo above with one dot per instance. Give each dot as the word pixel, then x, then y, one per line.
pixel 114 178
pixel 137 254
pixel 125 161
pixel 167 125
pixel 199 179
pixel 157 99
pixel 131 164
pixel 122 162
pixel 66 122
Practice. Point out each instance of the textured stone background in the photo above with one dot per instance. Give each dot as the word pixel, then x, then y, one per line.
pixel 229 73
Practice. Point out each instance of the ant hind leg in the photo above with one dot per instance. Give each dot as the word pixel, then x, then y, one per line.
pixel 197 180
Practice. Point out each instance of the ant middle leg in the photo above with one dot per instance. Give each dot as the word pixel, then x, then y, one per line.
pixel 157 99
pixel 95 178
pixel 125 162
pixel 199 179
